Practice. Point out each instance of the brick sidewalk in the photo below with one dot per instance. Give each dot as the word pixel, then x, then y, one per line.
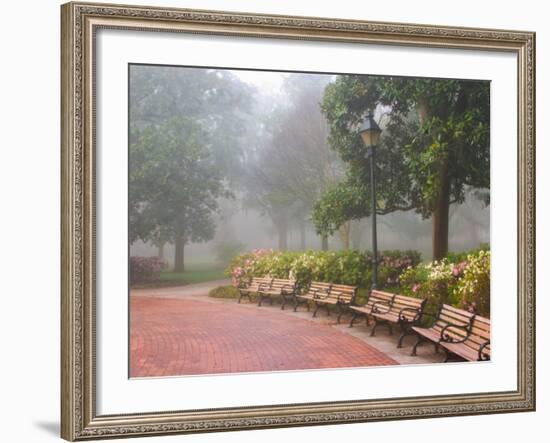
pixel 188 337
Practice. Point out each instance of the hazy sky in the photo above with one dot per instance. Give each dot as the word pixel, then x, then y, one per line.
pixel 268 82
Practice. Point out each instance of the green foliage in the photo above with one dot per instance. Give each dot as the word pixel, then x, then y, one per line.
pixel 435 133
pixel 194 273
pixel 344 267
pixel 475 286
pixel 457 257
pixel 174 184
pixel 225 250
pixel 224 292
pixel 461 283
pixel 185 129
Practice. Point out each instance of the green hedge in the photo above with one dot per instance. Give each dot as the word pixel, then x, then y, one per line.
pixel 341 267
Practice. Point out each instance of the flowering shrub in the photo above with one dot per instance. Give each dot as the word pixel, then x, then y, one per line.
pixel 475 287
pixel 145 269
pixel 464 284
pixel 344 267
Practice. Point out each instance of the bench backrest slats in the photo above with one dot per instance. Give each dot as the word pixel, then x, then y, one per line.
pixel 331 292
pixel 454 315
pixel 279 283
pixel 408 307
pixel 319 286
pixel 257 281
pixel 480 334
pixel 449 315
pixel 380 297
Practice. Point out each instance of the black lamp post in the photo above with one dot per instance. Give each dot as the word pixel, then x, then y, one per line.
pixel 370 133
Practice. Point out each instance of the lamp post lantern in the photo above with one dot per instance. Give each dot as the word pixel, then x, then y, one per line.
pixel 370 133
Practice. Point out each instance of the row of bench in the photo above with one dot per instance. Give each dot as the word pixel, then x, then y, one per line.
pixel 456 331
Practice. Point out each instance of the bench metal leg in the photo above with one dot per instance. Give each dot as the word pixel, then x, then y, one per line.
pixel 327 307
pixel 400 341
pixel 246 294
pixel 353 318
pixel 373 331
pixel 297 302
pixel 261 297
pixel 340 312
pixel 317 306
pixel 405 331
pixel 419 340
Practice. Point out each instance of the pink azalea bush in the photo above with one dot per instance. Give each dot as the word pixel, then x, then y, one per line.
pixel 464 284
pixel 145 269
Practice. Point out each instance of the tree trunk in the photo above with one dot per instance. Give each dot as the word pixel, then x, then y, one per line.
pixel 324 242
pixel 179 265
pixel 161 251
pixel 440 219
pixel 302 236
pixel 345 232
pixel 282 230
pixel 440 215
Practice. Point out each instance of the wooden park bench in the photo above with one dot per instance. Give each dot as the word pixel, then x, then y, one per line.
pixel 375 297
pixel 246 289
pixel 457 332
pixel 283 288
pixel 328 294
pixel 402 310
pixel 476 346
pixel 391 309
pixel 267 287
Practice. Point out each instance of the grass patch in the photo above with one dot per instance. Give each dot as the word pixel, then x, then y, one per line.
pixel 224 292
pixel 194 273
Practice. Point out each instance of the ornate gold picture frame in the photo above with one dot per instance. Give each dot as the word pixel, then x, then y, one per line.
pixel 80 23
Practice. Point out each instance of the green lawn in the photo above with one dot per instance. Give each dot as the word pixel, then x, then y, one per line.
pixel 194 273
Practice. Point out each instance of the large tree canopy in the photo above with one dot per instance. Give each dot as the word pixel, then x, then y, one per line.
pixel 435 146
pixel 184 150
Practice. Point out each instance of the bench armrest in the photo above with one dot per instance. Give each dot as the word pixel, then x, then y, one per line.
pixel 482 355
pixel 446 338
pixel 376 307
pixel 243 285
pixel 404 319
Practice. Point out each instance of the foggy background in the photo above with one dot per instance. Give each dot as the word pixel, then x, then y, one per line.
pixel 276 110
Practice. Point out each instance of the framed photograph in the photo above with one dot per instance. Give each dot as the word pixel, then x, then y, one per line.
pixel 275 221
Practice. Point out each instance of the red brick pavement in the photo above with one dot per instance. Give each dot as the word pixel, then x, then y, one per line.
pixel 185 337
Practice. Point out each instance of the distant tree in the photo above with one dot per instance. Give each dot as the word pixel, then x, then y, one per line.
pixel 434 147
pixel 174 186
pixel 185 148
pixel 293 163
pixel 215 99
